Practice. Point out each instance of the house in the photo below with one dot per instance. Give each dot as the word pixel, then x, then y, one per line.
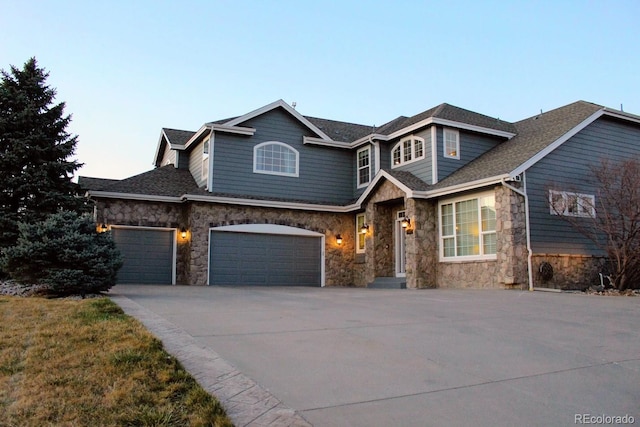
pixel 444 198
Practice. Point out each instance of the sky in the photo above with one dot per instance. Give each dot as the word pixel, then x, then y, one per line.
pixel 126 69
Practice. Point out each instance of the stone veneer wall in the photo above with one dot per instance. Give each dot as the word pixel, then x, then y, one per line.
pixel 569 271
pixel 338 259
pixel 149 214
pixel 422 244
pixel 510 267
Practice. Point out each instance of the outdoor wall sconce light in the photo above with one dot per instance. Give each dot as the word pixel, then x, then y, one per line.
pixel 183 233
pixel 103 228
pixel 406 225
pixel 364 229
pixel 339 239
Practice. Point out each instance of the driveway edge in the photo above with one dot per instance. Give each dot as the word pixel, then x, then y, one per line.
pixel 246 402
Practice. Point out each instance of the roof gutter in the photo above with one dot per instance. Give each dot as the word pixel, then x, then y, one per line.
pixel 132 196
pixel 523 193
pixel 271 203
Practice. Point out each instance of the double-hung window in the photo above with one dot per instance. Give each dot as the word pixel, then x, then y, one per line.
pixel 364 166
pixel 275 158
pixel 572 204
pixel 451 144
pixel 468 228
pixel 407 150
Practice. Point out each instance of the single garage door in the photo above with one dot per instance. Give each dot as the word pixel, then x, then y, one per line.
pixel 254 259
pixel 148 255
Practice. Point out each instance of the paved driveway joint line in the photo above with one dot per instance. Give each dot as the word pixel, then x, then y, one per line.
pixel 246 402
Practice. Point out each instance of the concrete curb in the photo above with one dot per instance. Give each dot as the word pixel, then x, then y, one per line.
pixel 246 402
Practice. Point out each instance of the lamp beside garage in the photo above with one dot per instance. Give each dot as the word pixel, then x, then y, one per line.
pixel 339 240
pixel 183 233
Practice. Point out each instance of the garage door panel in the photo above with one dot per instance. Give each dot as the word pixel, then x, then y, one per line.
pixel 240 258
pixel 148 255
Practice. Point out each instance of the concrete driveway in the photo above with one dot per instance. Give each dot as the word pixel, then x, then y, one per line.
pixel 369 357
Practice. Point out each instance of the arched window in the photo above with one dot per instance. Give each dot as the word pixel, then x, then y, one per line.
pixel 407 150
pixel 275 158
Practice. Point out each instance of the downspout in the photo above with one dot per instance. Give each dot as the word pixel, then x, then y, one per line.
pixel 523 193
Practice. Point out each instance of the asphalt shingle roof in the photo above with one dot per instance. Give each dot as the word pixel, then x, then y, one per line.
pixel 341 131
pixel 164 181
pixel 177 136
pixel 408 179
pixel 448 112
pixel 533 135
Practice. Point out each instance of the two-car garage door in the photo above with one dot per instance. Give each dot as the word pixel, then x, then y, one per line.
pixel 258 255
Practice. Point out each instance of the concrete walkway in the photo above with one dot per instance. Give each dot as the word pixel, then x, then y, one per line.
pixel 357 357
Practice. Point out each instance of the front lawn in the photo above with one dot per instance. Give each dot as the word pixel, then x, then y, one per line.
pixel 86 363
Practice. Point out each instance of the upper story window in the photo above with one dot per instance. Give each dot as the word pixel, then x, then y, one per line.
pixel 205 159
pixel 572 204
pixel 468 228
pixel 275 158
pixel 407 150
pixel 451 144
pixel 364 166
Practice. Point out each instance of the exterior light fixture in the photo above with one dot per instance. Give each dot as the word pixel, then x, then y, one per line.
pixel 183 233
pixel 339 239
pixel 103 227
pixel 364 229
pixel 405 223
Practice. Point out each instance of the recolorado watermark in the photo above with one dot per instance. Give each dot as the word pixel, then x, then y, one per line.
pixel 603 419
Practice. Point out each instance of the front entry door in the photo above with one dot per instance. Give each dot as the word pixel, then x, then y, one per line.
pixel 400 250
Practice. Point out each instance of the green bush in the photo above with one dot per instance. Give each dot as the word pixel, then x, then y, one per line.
pixel 65 253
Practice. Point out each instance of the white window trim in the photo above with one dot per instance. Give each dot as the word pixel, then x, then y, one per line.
pixel 400 145
pixel 358 233
pixel 205 158
pixel 358 168
pixel 588 211
pixel 255 160
pixel 444 143
pixel 465 258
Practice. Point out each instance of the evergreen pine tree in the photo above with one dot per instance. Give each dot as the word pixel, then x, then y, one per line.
pixel 35 150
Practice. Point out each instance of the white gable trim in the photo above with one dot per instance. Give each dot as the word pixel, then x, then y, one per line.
pixel 232 129
pixel 202 132
pixel 557 143
pixel 274 105
pixel 380 175
pixel 444 122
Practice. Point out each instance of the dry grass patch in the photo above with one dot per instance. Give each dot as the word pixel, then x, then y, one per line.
pixel 78 363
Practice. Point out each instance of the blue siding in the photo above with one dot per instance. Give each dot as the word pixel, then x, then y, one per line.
pixel 472 145
pixel 325 174
pixel 195 164
pixel 568 169
pixel 421 168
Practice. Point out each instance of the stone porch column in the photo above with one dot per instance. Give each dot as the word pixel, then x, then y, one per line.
pixel 511 234
pixel 421 244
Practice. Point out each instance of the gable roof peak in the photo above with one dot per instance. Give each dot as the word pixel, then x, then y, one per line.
pixel 272 106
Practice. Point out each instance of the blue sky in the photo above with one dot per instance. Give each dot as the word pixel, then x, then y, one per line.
pixel 128 68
